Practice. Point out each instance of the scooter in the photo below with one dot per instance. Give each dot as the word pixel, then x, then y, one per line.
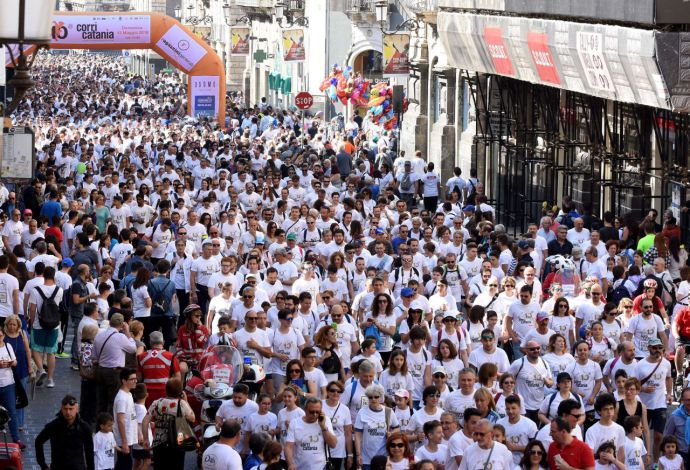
pixel 221 367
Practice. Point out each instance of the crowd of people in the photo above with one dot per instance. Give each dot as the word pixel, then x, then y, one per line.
pixel 398 324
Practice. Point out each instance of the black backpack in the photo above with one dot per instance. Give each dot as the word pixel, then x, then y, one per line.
pixel 49 316
pixel 619 293
pixel 331 365
pixel 160 303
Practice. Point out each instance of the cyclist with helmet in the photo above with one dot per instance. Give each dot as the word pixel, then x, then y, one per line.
pixel 649 292
pixel 191 339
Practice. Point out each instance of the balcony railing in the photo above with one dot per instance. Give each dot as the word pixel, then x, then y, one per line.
pixel 361 6
pixel 419 6
pixel 254 3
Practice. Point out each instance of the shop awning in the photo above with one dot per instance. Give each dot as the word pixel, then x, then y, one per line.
pixel 612 62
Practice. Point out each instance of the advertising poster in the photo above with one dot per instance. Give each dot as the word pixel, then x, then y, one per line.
pixel 239 38
pixel 538 44
pixel 181 48
pixel 396 54
pixel 97 29
pixel 493 36
pixel 205 96
pixel 590 49
pixel 293 45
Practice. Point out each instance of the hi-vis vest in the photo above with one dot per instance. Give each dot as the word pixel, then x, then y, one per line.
pixel 156 367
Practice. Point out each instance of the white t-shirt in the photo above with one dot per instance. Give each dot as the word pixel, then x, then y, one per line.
pixel 457 402
pixel 499 357
pixel 104 450
pixel 557 363
pixel 124 403
pixel 597 434
pixel 262 423
pixel 635 451
pixel 241 414
pixel 284 343
pixel 529 382
pixel 260 336
pixel 584 378
pixel 372 425
pixel 440 457
pixel 204 269
pixel 340 417
pixel 221 457
pixel 416 365
pixel 643 369
pixel 309 450
pixel 519 433
pixel 523 317
pixel 642 330
pixel 476 458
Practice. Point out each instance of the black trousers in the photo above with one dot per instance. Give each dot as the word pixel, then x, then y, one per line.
pixel 431 203
pixel 168 458
pixel 88 404
pixel 123 461
pixel 202 298
pixel 108 379
pixel 64 323
pixel 183 301
pixel 165 325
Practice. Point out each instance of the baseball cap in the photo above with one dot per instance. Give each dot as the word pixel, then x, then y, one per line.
pixel 28 212
pixel 291 236
pixel 468 208
pixel 402 393
pixel 407 292
pixel 654 342
pixel 439 370
pixel 542 315
pixel 523 244
pixel 449 315
pixel 259 240
pixel 67 262
pixel 379 231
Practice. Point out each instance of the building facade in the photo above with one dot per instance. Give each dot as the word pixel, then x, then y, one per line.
pixel 545 99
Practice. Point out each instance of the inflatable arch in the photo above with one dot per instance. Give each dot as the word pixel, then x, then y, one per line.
pixel 165 35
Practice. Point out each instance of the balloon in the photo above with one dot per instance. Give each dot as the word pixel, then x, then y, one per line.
pixel 334 81
pixel 325 84
pixel 332 93
pixel 81 168
pixel 376 101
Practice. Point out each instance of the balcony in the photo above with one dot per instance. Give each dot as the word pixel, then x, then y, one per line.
pixel 114 5
pixel 253 3
pixel 361 10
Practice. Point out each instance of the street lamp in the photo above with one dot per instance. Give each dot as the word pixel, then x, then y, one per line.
pixel 195 20
pixel 178 12
pixel 24 22
pixel 381 12
pixel 382 18
pixel 287 19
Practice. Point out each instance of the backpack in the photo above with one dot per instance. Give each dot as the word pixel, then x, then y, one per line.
pixel 331 365
pixel 472 196
pixel 373 332
pixel 414 271
pixel 553 397
pixel 49 316
pixel 160 303
pixel 619 293
pixel 406 182
pixel 440 332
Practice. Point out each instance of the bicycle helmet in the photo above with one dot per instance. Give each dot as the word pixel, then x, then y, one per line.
pixel 191 308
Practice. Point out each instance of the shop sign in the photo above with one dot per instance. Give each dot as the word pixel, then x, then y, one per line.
pixel 498 51
pixel 590 49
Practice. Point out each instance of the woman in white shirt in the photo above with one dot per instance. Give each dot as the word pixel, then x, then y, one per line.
pixel 141 300
pixel 557 356
pixel 8 359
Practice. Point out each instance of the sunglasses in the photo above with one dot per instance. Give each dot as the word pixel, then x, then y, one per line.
pixel 535 452
pixel 487 338
pixel 534 349
pixel 251 318
pixel 334 390
pixel 295 371
pixel 397 445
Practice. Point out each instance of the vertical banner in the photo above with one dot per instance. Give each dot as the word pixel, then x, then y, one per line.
pixel 396 54
pixel 205 96
pixel 538 44
pixel 293 45
pixel 498 51
pixel 239 41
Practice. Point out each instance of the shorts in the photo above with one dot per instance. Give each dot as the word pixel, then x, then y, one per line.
pixel 657 419
pixel 141 454
pixel 45 341
pixel 683 341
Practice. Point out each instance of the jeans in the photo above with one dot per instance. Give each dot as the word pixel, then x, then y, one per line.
pixel 20 412
pixel 517 354
pixel 75 347
pixel 8 399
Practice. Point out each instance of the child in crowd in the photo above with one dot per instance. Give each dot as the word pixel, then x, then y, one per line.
pixel 104 446
pixel 634 453
pixel 142 456
pixel 605 458
pixel 670 460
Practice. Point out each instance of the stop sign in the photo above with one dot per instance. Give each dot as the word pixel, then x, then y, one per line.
pixel 304 100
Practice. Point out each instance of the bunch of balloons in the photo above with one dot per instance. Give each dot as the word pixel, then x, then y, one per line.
pixel 343 85
pixel 380 105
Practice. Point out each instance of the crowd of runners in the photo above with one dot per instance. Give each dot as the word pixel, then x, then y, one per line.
pixel 387 319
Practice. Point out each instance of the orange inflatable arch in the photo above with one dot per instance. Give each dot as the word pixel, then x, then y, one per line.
pixel 161 33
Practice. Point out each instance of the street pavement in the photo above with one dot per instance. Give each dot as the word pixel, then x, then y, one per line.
pixel 46 404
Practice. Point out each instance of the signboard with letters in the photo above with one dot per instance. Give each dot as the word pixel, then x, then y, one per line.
pixel 17 154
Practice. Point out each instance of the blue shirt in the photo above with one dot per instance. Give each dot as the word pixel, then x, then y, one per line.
pixel 51 209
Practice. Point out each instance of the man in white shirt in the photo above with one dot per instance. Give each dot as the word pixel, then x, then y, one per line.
pixel 126 426
pixel 221 455
pixel 578 235
pixel 238 409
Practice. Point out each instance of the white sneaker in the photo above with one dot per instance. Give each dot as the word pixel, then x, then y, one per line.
pixel 50 383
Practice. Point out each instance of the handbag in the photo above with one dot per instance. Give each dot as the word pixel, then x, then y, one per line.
pixel 21 398
pixel 182 436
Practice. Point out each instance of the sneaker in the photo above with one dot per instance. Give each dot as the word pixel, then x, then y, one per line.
pixel 21 445
pixel 50 383
pixel 63 355
pixel 74 367
pixel 41 378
